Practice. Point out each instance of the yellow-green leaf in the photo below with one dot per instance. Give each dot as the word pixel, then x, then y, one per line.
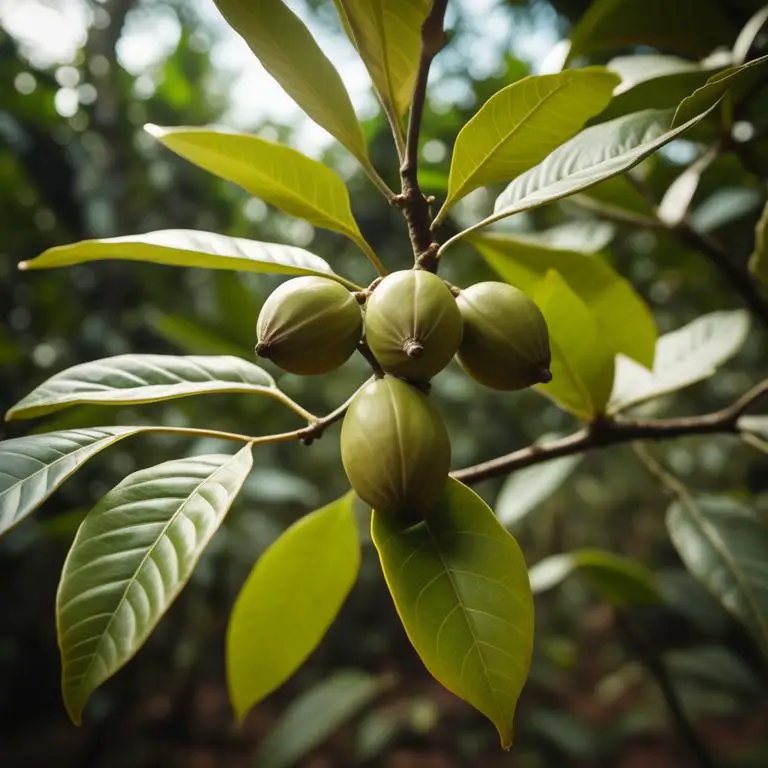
pixel 758 262
pixel 623 317
pixel 191 248
pixel 131 557
pixel 277 174
pixel 287 50
pixel 288 602
pixel 582 361
pixel 521 124
pixel 461 588
pixel 387 34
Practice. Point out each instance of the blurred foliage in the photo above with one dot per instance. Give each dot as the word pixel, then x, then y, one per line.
pixel 92 172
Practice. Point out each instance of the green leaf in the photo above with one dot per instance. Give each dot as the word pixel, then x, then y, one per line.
pixel 277 174
pixel 623 317
pixel 527 488
pixel 617 579
pixel 33 467
pixel 748 35
pixel 758 262
pixel 387 34
pixel 683 357
pixel 654 80
pixel 288 602
pixel 521 124
pixel 143 379
pixel 131 557
pixel 582 361
pixel 693 27
pixel 736 80
pixel 191 248
pixel 316 715
pixel 290 54
pixel 461 589
pixel 723 544
pixel 594 155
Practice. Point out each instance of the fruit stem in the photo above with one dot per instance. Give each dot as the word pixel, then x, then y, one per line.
pixel 413 349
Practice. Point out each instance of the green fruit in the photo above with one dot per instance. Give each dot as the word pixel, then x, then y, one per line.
pixel 412 324
pixel 309 325
pixel 395 449
pixel 506 342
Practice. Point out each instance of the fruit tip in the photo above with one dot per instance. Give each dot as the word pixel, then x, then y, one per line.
pixel 413 349
pixel 545 376
pixel 262 349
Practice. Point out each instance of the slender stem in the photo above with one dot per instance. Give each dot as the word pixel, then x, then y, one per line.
pixel 295 407
pixel 614 432
pixel 396 127
pixel 380 184
pixel 233 436
pixel 412 202
pixel 654 663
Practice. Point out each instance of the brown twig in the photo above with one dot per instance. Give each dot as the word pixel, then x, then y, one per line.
pixel 614 432
pixel 411 201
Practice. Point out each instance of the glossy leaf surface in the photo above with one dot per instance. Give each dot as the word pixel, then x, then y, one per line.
pixel 521 124
pixel 143 379
pixel 131 557
pixel 683 357
pixel 277 174
pixel 288 602
pixel 287 50
pixel 723 544
pixel 190 248
pixel 33 467
pixel 461 589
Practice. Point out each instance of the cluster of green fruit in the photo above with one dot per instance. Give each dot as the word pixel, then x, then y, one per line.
pixel 394 444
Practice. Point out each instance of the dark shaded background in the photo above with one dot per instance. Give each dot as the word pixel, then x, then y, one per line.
pixel 588 701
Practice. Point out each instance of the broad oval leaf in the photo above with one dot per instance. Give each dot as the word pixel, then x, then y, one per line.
pixel 665 24
pixel 143 379
pixel 723 544
pixel 33 467
pixel 288 602
pixel 461 589
pixel 277 174
pixel 617 579
pixel 191 248
pixel 315 715
pixel 287 50
pixel 582 361
pixel 387 34
pixel 683 357
pixel 527 488
pixel 624 319
pixel 131 557
pixel 521 124
pixel 758 262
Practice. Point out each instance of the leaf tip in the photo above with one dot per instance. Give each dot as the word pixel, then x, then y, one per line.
pixel 23 266
pixel 153 130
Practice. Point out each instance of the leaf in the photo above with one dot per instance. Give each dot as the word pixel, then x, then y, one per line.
pixel 315 715
pixel 758 262
pixel 617 579
pixel 737 80
pixel 277 174
pixel 191 248
pixel 33 467
pixel 616 193
pixel 387 34
pixel 665 24
pixel 290 54
pixel 582 361
pixel 527 488
pixel 521 124
pixel 723 206
pixel 143 379
pixel 461 589
pixel 623 317
pixel 748 35
pixel 654 80
pixel 581 235
pixel 131 557
pixel 723 544
pixel 683 357
pixel 594 155
pixel 288 602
